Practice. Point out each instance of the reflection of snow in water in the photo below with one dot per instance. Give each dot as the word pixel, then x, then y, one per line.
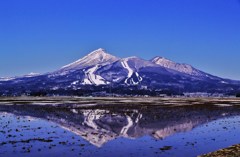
pixel 92 115
pixel 125 128
pixel 167 131
pixel 130 123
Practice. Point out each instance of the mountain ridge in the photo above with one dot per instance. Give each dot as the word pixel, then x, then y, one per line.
pixel 100 71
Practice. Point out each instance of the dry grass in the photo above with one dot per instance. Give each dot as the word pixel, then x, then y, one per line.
pixel 233 151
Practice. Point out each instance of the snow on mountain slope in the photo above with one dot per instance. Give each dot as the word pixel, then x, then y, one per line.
pixel 6 78
pixel 93 79
pixel 127 127
pixel 98 56
pixel 183 68
pixel 131 72
pixel 18 77
pixel 31 74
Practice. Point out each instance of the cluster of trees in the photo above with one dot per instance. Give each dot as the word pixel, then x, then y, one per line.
pixel 97 91
pixel 93 91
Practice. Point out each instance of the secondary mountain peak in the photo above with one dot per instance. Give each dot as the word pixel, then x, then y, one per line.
pixel 132 57
pixel 32 74
pixel 99 56
pixel 180 67
pixel 162 61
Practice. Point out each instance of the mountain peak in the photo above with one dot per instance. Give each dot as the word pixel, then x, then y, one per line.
pixel 161 60
pixel 180 67
pixel 98 56
pixel 98 51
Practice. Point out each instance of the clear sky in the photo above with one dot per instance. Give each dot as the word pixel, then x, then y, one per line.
pixel 43 35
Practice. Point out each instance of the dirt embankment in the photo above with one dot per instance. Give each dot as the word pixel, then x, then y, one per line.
pixel 233 151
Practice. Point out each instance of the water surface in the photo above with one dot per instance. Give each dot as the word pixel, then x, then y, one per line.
pixel 119 131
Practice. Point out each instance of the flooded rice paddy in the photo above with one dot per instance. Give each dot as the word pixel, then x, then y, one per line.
pixel 165 128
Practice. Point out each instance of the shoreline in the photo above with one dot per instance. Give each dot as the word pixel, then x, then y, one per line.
pixel 131 101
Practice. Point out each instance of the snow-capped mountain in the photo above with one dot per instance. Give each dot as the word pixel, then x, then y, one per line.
pixel 100 71
pixel 99 56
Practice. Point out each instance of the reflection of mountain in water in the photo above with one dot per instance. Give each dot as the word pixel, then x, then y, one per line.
pixel 99 126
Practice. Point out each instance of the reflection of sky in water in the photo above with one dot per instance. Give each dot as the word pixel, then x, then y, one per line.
pixel 48 138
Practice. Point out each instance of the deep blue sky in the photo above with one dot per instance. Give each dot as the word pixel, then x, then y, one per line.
pixel 43 35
